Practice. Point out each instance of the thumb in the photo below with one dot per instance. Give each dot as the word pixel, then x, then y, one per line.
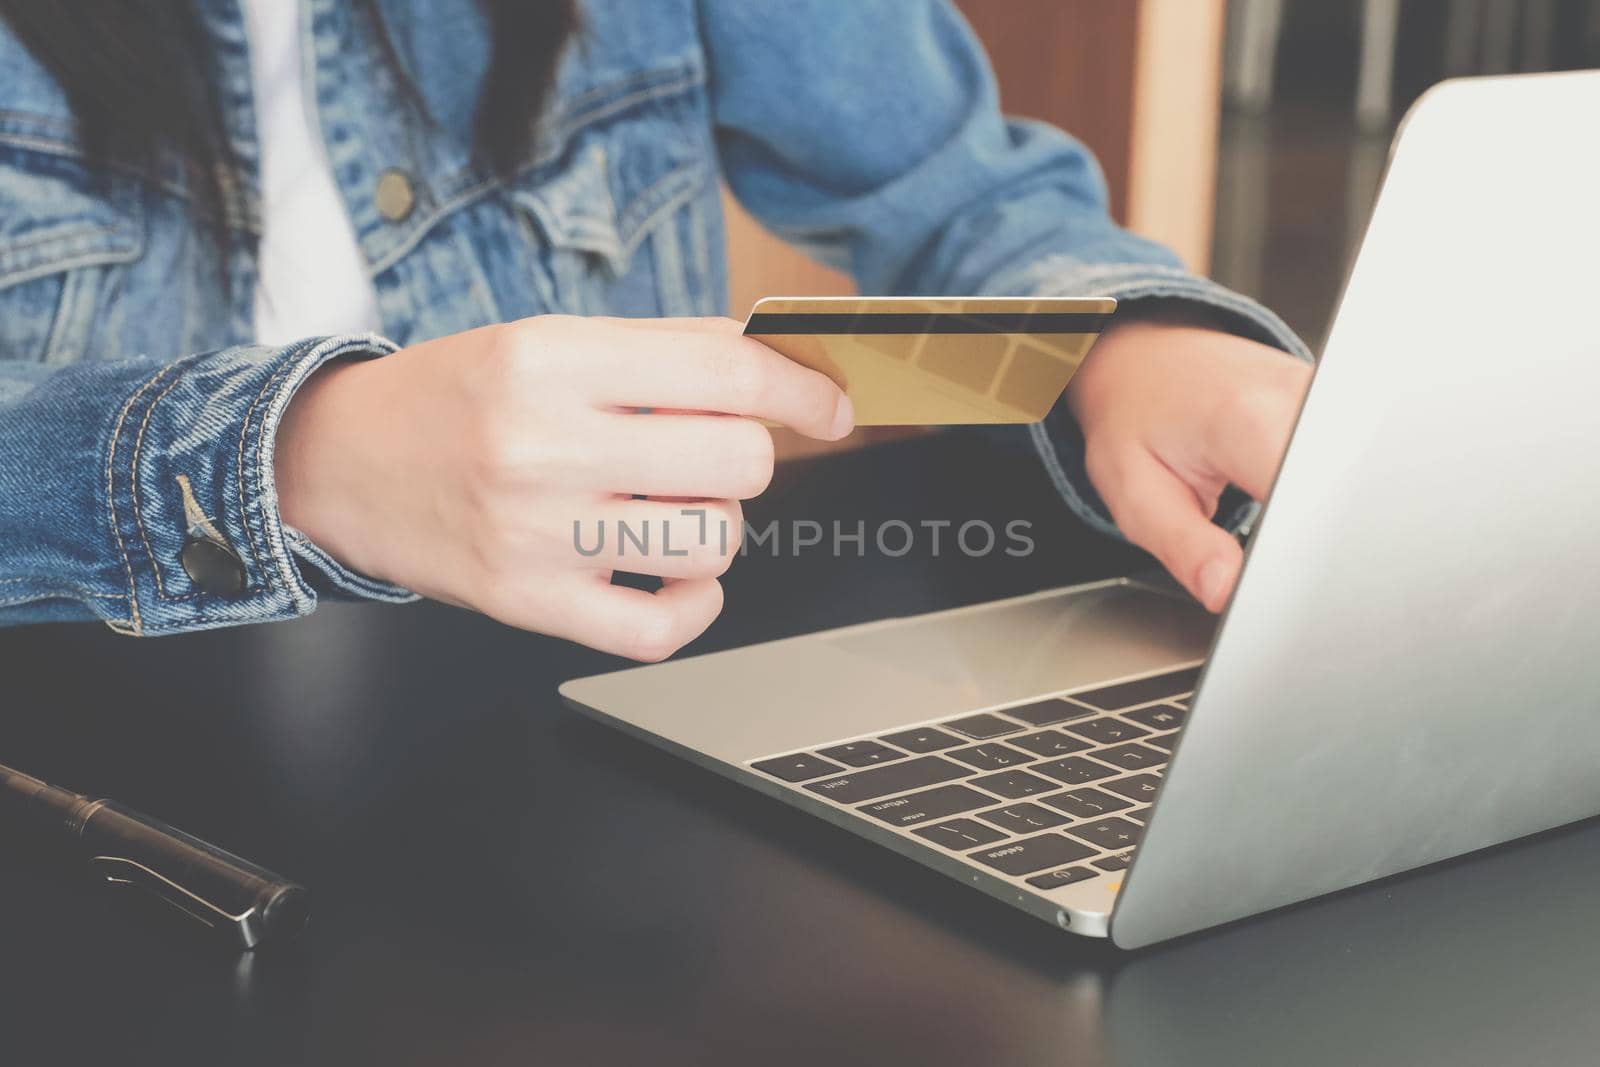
pixel 1161 514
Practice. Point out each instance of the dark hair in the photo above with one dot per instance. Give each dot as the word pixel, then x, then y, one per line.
pixel 140 77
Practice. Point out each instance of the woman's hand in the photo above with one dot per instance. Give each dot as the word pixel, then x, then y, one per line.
pixel 480 468
pixel 1171 415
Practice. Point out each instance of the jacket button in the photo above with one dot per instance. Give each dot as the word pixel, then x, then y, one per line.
pixel 212 566
pixel 395 196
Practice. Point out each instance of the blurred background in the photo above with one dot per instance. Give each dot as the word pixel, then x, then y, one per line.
pixel 1249 135
pixel 1312 93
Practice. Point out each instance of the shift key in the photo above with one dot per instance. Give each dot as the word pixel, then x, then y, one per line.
pixel 895 778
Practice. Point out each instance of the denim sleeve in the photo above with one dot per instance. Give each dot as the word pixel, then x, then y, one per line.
pixel 869 134
pixel 108 468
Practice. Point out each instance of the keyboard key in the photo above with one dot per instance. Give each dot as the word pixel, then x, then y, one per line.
pixel 960 834
pixel 1075 770
pixel 1138 815
pixel 1143 691
pixel 922 739
pixel 1086 803
pixel 1047 712
pixel 1141 787
pixel 861 753
pixel 1159 717
pixel 1013 785
pixel 926 806
pixel 1166 742
pixel 796 768
pixel 1057 879
pixel 991 757
pixel 1050 743
pixel 1134 757
pixel 1033 854
pixel 982 727
pixel 893 778
pixel 1110 834
pixel 1107 731
pixel 1023 818
pixel 1119 862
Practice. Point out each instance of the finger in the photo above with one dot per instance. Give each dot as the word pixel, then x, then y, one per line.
pixel 640 625
pixel 714 370
pixel 715 325
pixel 1161 514
pixel 689 539
pixel 706 456
pixel 709 324
pixel 1247 442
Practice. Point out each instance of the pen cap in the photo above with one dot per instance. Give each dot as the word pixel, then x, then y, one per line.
pixel 216 887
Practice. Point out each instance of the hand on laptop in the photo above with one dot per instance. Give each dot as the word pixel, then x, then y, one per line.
pixel 459 467
pixel 1171 415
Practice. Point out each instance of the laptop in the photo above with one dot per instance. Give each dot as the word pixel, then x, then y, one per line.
pixel 1409 668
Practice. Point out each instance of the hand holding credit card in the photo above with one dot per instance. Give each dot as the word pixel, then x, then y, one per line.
pixel 937 361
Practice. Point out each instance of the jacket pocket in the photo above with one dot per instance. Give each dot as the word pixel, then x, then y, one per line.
pixel 63 233
pixel 616 215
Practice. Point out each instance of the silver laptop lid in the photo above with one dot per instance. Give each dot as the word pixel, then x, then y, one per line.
pixel 1410 668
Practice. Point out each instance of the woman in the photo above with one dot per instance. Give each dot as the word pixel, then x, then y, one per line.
pixel 248 252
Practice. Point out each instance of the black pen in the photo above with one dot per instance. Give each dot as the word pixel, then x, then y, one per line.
pixel 247 903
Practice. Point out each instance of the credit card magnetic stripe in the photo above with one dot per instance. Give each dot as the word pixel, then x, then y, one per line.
pixel 897 322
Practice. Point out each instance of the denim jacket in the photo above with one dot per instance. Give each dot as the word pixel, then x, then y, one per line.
pixel 137 419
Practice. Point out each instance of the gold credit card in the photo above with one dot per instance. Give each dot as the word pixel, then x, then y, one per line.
pixel 937 361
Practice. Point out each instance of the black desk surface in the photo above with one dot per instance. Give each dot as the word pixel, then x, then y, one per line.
pixel 499 881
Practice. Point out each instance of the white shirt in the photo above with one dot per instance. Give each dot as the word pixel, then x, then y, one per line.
pixel 313 277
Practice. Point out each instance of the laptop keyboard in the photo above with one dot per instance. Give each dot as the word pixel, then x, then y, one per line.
pixel 1050 792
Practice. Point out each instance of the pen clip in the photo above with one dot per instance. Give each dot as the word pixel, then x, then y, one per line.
pixel 119 870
